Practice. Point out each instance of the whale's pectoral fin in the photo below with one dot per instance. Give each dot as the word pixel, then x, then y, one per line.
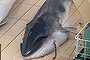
pixel 55 51
pixel 71 29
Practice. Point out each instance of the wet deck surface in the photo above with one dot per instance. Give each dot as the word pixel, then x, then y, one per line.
pixel 21 13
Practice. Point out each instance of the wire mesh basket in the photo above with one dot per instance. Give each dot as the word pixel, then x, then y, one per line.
pixel 82 50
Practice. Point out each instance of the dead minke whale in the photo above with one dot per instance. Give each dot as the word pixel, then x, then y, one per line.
pixel 46 30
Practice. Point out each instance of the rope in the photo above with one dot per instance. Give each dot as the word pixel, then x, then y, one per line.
pixel 55 51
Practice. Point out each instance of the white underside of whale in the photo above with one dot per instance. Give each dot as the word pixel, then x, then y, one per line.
pixel 48 47
pixel 5 6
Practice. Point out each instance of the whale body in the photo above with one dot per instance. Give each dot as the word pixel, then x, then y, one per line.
pixel 45 29
pixel 5 6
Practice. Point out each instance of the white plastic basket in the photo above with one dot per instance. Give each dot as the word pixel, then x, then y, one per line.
pixel 80 44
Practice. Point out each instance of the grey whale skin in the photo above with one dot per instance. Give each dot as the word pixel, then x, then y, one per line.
pixel 45 29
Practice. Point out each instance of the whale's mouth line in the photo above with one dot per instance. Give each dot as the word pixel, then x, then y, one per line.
pixel 43 46
pixel 41 42
pixel 36 57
